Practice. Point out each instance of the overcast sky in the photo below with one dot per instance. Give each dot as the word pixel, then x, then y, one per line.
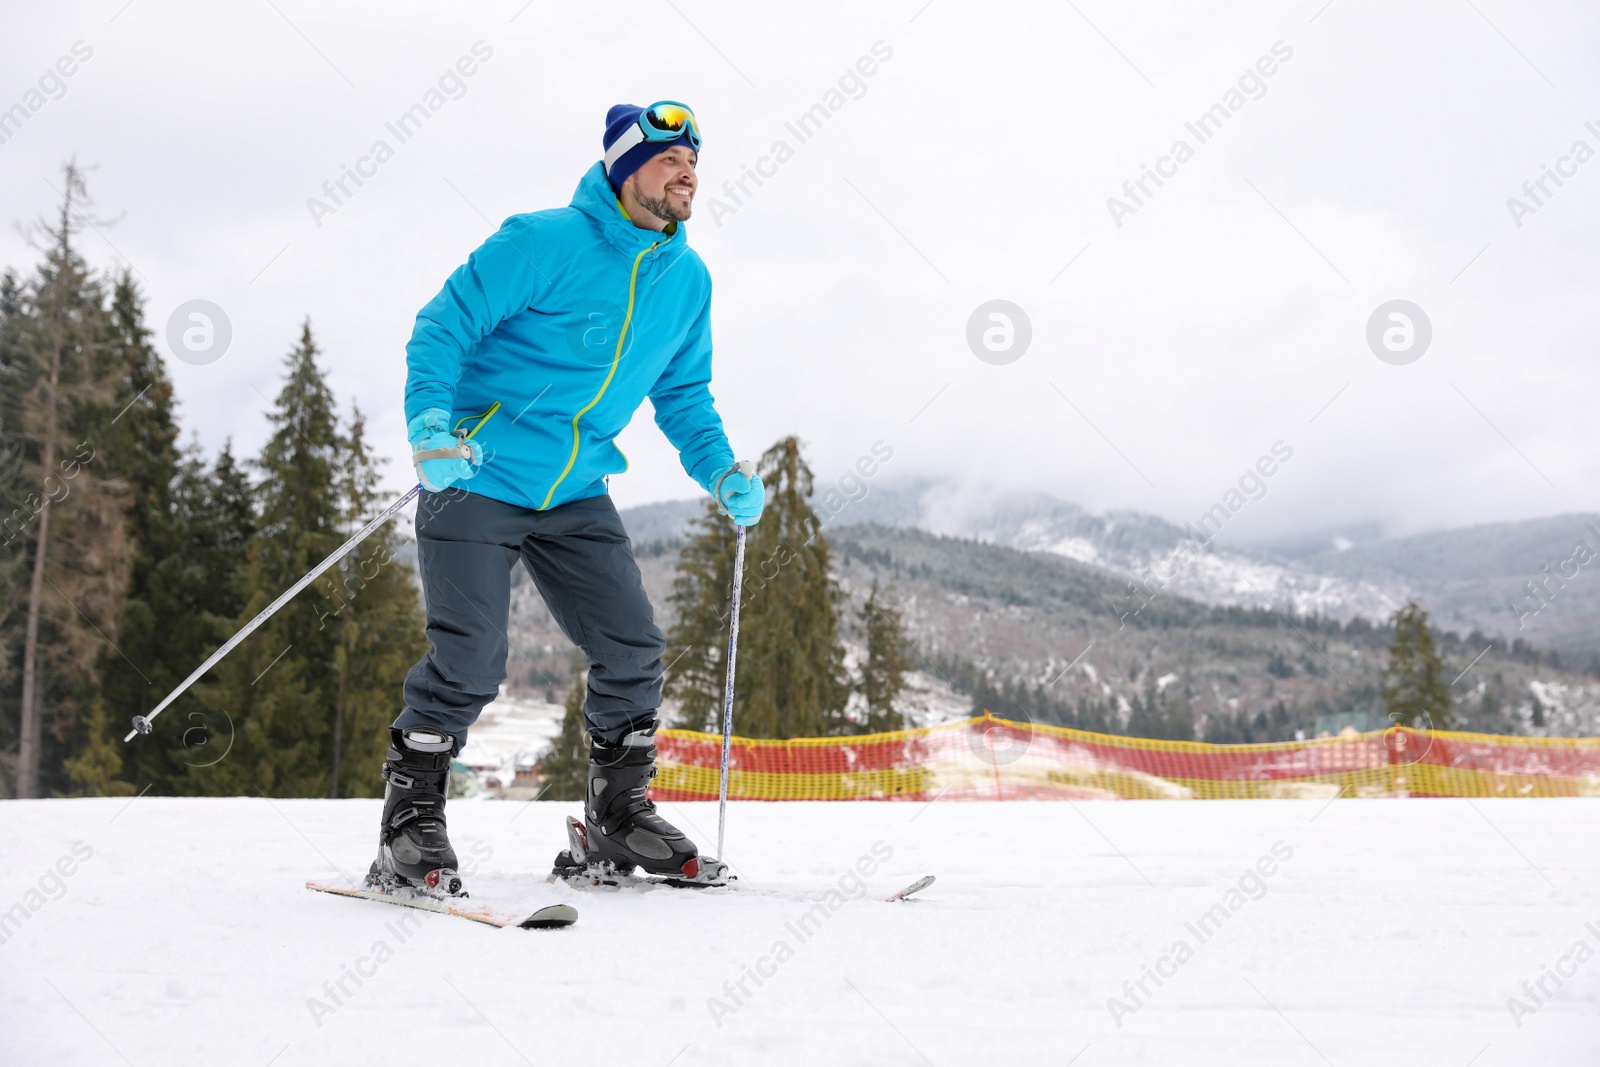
pixel 1174 339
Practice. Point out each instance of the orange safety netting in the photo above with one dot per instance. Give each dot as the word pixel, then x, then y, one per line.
pixel 987 758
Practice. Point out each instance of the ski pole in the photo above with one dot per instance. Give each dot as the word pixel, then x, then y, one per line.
pixel 747 468
pixel 142 723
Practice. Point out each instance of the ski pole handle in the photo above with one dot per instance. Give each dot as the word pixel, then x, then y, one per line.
pixel 746 467
pixel 459 450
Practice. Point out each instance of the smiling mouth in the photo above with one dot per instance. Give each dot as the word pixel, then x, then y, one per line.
pixel 680 191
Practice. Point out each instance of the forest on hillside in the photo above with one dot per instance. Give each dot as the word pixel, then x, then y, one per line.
pixel 1039 637
pixel 129 557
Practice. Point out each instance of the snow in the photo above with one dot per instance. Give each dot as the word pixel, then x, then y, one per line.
pixel 1224 577
pixel 1220 576
pixel 1569 710
pixel 1348 932
pixel 510 727
pixel 932 702
pixel 1079 548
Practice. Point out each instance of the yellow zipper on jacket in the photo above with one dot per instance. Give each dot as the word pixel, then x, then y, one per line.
pixel 627 318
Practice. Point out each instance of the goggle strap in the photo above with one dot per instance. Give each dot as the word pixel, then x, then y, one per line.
pixel 632 136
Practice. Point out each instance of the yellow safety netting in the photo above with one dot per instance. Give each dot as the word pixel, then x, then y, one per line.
pixel 987 758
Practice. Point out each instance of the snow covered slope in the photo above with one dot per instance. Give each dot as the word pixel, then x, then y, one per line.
pixel 1132 544
pixel 1355 933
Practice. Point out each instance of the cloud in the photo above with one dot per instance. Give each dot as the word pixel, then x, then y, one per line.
pixel 1225 314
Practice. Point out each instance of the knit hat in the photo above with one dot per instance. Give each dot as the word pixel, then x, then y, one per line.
pixel 619 120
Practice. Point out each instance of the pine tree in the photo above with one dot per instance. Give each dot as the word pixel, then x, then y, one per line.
pixel 141 446
pixel 697 642
pixel 98 760
pixel 565 767
pixel 200 595
pixel 280 686
pixel 220 515
pixel 15 368
pixel 888 658
pixel 1156 714
pixel 1414 690
pixel 791 678
pixel 375 616
pixel 72 522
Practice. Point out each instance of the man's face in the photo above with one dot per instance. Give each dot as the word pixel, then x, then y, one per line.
pixel 666 185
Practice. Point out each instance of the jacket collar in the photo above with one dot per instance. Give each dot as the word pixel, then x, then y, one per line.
pixel 595 198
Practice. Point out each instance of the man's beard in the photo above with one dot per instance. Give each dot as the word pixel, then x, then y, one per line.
pixel 662 208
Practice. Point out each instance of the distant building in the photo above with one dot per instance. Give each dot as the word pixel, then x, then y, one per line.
pixel 1358 721
pixel 527 768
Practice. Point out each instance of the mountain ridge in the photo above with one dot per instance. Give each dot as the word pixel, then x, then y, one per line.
pixel 1525 579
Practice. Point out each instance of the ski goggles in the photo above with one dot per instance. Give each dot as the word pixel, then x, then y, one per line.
pixel 664 120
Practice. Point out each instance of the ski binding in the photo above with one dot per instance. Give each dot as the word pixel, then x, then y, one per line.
pixel 574 868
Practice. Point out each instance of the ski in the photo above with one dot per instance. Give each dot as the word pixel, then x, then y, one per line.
pixel 588 873
pixel 605 876
pixel 551 917
pixel 915 887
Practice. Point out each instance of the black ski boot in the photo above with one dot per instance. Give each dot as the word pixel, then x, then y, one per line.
pixel 413 849
pixel 621 829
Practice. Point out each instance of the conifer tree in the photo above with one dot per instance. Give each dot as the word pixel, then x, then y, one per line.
pixel 1155 714
pixel 141 446
pixel 72 521
pixel 1414 690
pixel 14 382
pixel 696 643
pixel 373 611
pixel 280 686
pixel 888 658
pixel 791 678
pixel 201 593
pixel 95 765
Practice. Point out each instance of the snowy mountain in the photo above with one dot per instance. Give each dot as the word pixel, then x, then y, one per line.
pixel 1143 548
pixel 1087 650
pixel 1476 578
pixel 981 613
pixel 1531 579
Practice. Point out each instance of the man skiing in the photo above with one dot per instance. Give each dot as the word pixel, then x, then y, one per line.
pixel 569 318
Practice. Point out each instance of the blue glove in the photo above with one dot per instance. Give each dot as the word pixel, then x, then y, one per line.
pixel 438 453
pixel 740 495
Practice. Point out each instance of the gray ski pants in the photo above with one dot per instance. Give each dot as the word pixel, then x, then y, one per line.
pixel 582 563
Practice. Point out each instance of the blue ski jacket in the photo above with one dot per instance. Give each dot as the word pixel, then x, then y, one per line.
pixel 571 317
